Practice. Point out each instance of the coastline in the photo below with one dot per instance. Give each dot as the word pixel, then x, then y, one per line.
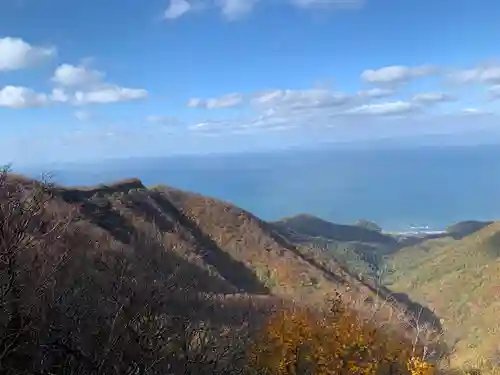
pixel 414 233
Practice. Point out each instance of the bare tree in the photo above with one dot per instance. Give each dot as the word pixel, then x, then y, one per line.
pixel 27 265
pixel 72 301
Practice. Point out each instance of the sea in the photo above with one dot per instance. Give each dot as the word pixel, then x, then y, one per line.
pixel 398 188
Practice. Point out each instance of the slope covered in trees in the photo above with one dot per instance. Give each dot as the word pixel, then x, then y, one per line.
pixel 313 226
pixel 121 279
pixel 460 280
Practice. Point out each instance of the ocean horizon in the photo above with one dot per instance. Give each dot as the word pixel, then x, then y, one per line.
pixel 397 188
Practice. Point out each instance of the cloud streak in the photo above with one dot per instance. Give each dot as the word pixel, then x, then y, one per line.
pixel 301 99
pixel 376 93
pixel 384 109
pixel 328 4
pixel 433 97
pixel 318 107
pixel 233 10
pixel 475 112
pixel 482 74
pixel 225 101
pixel 396 74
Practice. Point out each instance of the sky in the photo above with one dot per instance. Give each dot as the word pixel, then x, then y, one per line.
pixel 120 78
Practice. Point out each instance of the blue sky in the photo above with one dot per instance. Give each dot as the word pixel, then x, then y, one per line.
pixel 97 79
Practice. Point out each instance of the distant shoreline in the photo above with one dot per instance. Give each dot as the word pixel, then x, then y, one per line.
pixel 413 233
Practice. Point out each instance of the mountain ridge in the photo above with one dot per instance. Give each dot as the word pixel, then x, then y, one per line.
pixel 178 257
pixel 257 263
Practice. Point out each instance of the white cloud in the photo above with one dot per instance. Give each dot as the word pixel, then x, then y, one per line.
pixel 77 85
pixel 196 103
pixel 432 97
pixel 324 107
pixel 236 9
pixel 270 96
pixel 309 107
pixel 21 97
pixel 163 120
pixel 494 92
pixel 376 93
pixel 176 9
pixel 475 112
pixel 396 74
pixel 16 54
pixel 59 96
pixel 80 85
pixel 225 101
pixel 301 99
pixel 208 125
pixel 283 109
pixel 328 4
pixel 76 76
pixel 107 95
pixel 83 115
pixel 483 74
pixel 384 109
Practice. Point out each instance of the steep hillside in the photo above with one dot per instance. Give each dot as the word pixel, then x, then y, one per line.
pixel 313 226
pixel 112 278
pixel 357 247
pixel 460 280
pixel 230 231
pixel 465 228
pixel 220 248
pixel 288 269
pixel 127 214
pixel 235 248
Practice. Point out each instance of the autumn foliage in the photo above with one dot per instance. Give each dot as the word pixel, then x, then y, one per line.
pixel 75 301
pixel 303 341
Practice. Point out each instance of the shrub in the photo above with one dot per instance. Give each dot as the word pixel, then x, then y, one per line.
pixel 301 341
